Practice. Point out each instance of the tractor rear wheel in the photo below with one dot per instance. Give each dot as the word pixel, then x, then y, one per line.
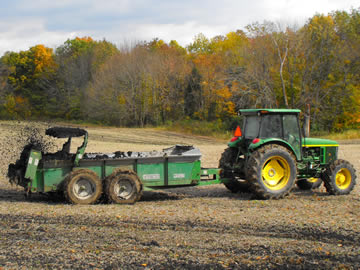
pixel 310 183
pixel 82 187
pixel 271 172
pixel 123 187
pixel 226 162
pixel 339 177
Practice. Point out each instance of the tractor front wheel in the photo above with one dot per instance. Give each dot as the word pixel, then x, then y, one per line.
pixel 339 177
pixel 271 172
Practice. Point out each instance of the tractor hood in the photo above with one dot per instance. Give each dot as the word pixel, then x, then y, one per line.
pixel 315 142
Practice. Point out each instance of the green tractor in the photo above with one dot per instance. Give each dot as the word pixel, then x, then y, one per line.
pixel 270 155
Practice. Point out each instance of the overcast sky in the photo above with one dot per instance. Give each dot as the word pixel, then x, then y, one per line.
pixel 25 23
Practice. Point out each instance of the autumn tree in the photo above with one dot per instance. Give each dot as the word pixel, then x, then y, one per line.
pixel 347 29
pixel 145 85
pixel 321 49
pixel 77 60
pixel 169 68
pixel 269 51
pixel 5 88
pixel 193 94
pixel 29 73
pixel 231 47
pixel 201 45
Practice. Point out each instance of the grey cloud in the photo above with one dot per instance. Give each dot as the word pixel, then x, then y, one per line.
pixel 116 20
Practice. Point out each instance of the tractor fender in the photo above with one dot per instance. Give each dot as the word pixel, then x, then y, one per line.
pixel 235 143
pixel 262 142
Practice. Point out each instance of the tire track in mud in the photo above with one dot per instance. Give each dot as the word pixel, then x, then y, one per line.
pixel 324 235
pixel 122 236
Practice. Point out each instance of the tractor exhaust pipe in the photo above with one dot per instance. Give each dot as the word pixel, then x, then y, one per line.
pixel 306 125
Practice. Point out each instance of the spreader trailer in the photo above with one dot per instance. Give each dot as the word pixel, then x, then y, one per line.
pixel 120 176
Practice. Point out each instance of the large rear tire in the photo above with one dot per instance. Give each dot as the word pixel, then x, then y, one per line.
pixel 82 187
pixel 226 162
pixel 271 172
pixel 339 177
pixel 123 187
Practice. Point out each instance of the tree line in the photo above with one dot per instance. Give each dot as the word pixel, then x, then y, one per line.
pixel 268 65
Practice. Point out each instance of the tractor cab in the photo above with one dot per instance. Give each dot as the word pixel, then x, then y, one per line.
pixel 261 126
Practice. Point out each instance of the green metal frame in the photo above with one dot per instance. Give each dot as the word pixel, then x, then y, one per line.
pixel 47 175
pixel 81 150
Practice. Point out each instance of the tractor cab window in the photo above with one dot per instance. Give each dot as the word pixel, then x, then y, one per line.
pixel 291 128
pixel 252 124
pixel 292 131
pixel 271 126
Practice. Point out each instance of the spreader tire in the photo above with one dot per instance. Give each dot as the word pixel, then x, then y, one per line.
pixel 307 184
pixel 82 187
pixel 271 172
pixel 123 187
pixel 227 160
pixel 339 177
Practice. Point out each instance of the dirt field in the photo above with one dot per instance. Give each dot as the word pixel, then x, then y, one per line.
pixel 187 228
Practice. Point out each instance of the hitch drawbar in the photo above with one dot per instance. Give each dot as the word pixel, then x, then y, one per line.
pixel 211 176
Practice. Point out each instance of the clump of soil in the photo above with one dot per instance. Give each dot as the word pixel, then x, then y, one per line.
pixel 32 139
pixel 177 150
pixel 17 171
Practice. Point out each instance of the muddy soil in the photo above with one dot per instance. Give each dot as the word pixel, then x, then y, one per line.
pixel 187 228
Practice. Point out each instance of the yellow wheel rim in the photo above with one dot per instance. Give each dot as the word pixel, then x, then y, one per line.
pixel 276 173
pixel 343 178
pixel 312 179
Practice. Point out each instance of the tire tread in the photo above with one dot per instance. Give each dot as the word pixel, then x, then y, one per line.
pixel 115 175
pixel 67 182
pixel 253 167
pixel 330 173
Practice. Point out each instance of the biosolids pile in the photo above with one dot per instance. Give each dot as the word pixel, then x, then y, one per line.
pixel 176 150
pixel 27 138
pixel 33 137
